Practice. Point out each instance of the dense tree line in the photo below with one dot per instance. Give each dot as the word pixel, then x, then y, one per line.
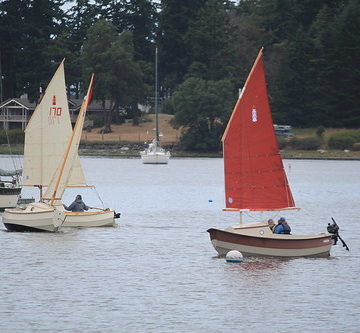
pixel 206 48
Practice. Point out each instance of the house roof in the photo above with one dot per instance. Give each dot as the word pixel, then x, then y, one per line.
pixel 23 102
pixel 74 104
pixel 95 105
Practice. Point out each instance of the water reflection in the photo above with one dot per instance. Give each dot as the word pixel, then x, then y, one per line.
pixel 255 270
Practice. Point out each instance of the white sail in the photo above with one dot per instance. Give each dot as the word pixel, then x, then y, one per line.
pixel 60 179
pixel 47 135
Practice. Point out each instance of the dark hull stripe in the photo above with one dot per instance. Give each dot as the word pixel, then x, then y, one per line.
pixel 230 237
pixel 10 191
pixel 22 228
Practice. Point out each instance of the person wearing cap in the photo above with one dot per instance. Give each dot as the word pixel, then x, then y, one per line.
pixel 271 224
pixel 282 227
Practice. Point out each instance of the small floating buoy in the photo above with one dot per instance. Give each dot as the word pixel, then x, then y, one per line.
pixel 210 200
pixel 234 256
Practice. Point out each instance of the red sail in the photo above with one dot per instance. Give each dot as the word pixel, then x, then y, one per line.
pixel 254 173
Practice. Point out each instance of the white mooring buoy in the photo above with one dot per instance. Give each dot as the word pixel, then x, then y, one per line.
pixel 234 256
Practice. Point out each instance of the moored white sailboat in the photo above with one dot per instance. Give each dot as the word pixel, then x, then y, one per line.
pixel 255 180
pixel 154 153
pixel 9 188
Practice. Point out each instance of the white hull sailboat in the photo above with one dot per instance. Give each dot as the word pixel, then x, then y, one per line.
pixel 255 180
pixel 8 197
pixel 43 140
pixel 37 216
pixel 100 218
pixel 70 163
pixel 51 161
pixel 9 189
pixel 154 153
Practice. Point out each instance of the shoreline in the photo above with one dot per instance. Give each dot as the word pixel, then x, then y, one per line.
pixel 126 152
pixel 291 155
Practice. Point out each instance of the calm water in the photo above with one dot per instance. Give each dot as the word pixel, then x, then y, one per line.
pixel 158 272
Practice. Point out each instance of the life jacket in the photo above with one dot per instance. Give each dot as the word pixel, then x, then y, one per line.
pixel 286 228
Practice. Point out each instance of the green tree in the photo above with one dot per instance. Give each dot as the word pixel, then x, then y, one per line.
pixel 202 108
pixel 209 41
pixel 175 18
pixel 298 67
pixel 12 17
pixel 138 16
pixel 339 76
pixel 28 27
pixel 117 76
pixel 78 19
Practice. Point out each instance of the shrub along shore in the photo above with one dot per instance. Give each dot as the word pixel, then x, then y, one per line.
pixel 317 143
pixel 128 150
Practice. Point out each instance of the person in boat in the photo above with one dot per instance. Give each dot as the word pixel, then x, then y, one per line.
pixel 271 224
pixel 77 205
pixel 282 227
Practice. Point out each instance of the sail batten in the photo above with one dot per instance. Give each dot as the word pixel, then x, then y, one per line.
pixel 255 178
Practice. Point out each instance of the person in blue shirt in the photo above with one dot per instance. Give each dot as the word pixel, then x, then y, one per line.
pixel 282 227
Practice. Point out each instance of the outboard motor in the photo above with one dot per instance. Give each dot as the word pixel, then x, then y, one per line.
pixel 333 228
pixel 116 215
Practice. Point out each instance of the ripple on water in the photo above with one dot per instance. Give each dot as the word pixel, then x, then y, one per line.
pixel 157 271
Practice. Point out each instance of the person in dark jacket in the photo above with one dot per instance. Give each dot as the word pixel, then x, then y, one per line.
pixel 282 227
pixel 77 205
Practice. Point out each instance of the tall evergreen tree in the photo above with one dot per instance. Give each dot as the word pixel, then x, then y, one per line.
pixel 209 41
pixel 28 27
pixel 337 40
pixel 174 20
pixel 12 22
pixel 79 18
pixel 117 76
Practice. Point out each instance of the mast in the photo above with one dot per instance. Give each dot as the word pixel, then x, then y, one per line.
pixel 1 85
pixel 156 96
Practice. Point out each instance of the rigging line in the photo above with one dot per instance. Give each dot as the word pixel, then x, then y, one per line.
pixel 12 157
pixel 97 194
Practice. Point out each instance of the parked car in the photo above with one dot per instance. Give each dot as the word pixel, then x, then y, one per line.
pixel 283 130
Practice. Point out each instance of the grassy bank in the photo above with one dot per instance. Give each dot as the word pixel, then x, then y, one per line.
pixel 14 149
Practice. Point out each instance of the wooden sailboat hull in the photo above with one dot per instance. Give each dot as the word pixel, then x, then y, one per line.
pixel 35 217
pixel 257 241
pixel 90 219
pixel 9 197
